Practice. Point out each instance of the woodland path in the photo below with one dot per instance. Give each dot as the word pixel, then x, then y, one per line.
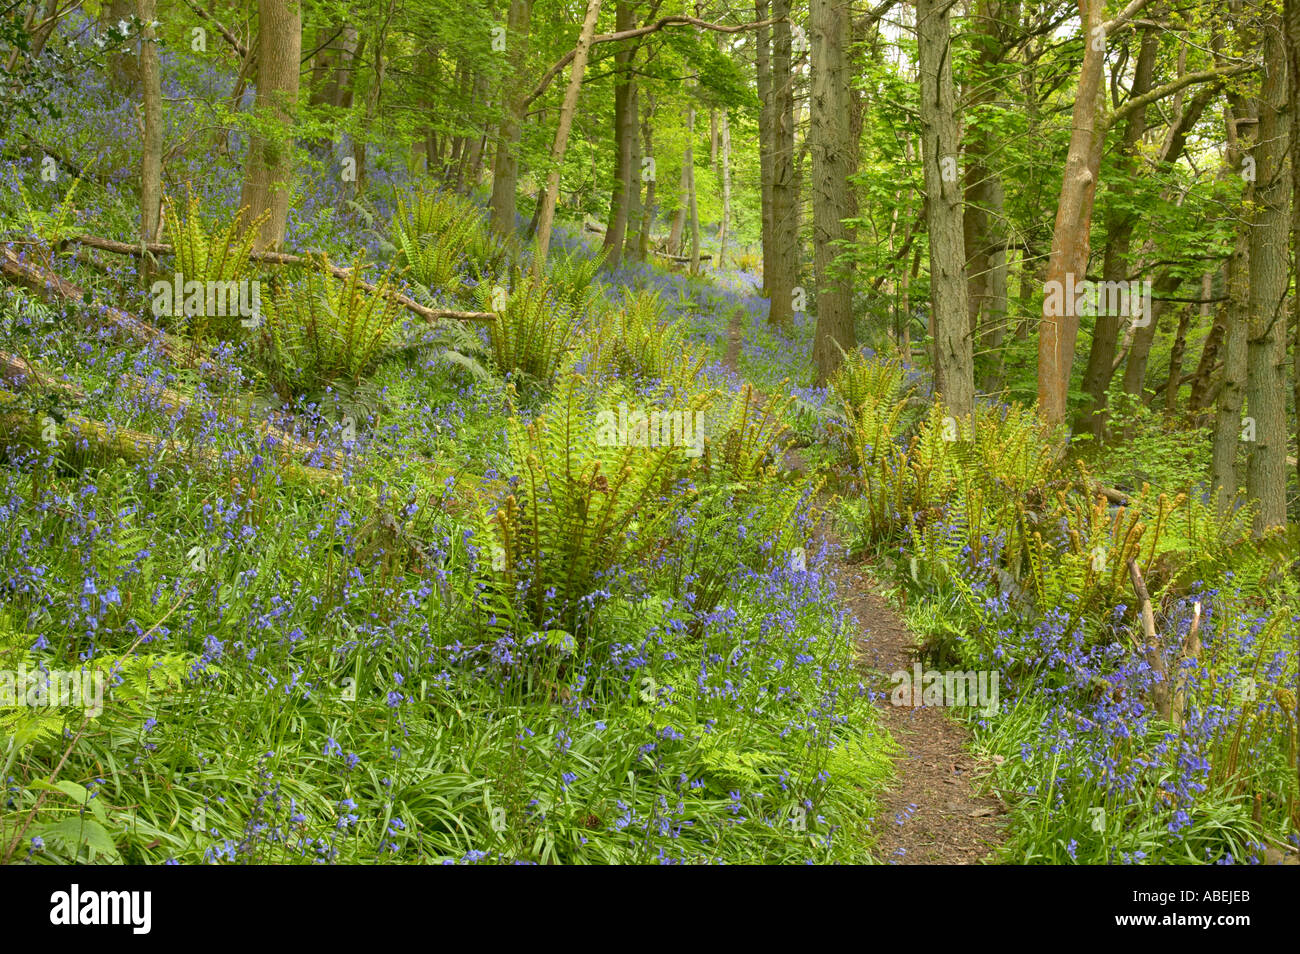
pixel 931 813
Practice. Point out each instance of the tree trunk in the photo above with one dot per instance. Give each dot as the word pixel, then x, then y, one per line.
pixel 471 165
pixel 833 151
pixel 632 240
pixel 1266 373
pixel 1231 393
pixel 1069 257
pixel 625 134
pixel 323 76
pixel 650 211
pixel 546 219
pixel 678 229
pixel 692 203
pixel 372 108
pixel 982 224
pixel 505 171
pixel 270 159
pixel 1144 336
pixel 785 194
pixel 763 76
pixel 151 146
pixel 954 373
pixel 1173 384
pixel 1201 394
pixel 724 136
pixel 1291 16
pixel 123 68
pixel 345 77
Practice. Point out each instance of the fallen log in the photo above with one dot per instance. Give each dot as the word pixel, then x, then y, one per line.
pixel 285 258
pixel 50 286
pixel 131 445
pixel 24 375
pixel 1118 497
pixel 683 259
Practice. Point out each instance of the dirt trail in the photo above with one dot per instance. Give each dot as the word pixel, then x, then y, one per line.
pixel 931 814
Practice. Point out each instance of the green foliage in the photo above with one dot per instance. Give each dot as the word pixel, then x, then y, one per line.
pixel 643 343
pixel 53 227
pixel 320 330
pixel 533 332
pixel 572 278
pixel 584 503
pixel 433 260
pixel 751 444
pixel 205 253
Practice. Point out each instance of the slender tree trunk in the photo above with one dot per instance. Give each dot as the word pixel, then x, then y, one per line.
pixel 1119 236
pixel 505 172
pixel 763 76
pixel 151 147
pixel 270 158
pixel 1144 336
pixel 471 166
pixel 1201 394
pixel 632 241
pixel 1173 385
pixel 651 210
pixel 547 217
pixel 954 371
pixel 372 106
pixel 678 230
pixel 724 135
pixel 833 151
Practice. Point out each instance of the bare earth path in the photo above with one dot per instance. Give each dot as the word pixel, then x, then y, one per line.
pixel 931 814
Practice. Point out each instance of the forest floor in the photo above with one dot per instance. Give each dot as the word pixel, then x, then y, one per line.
pixel 932 812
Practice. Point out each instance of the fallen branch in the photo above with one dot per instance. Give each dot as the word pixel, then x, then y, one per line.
pixel 683 259
pixel 1117 497
pixel 1190 655
pixel 285 258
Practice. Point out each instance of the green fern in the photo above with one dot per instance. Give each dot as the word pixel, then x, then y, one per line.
pixel 322 330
